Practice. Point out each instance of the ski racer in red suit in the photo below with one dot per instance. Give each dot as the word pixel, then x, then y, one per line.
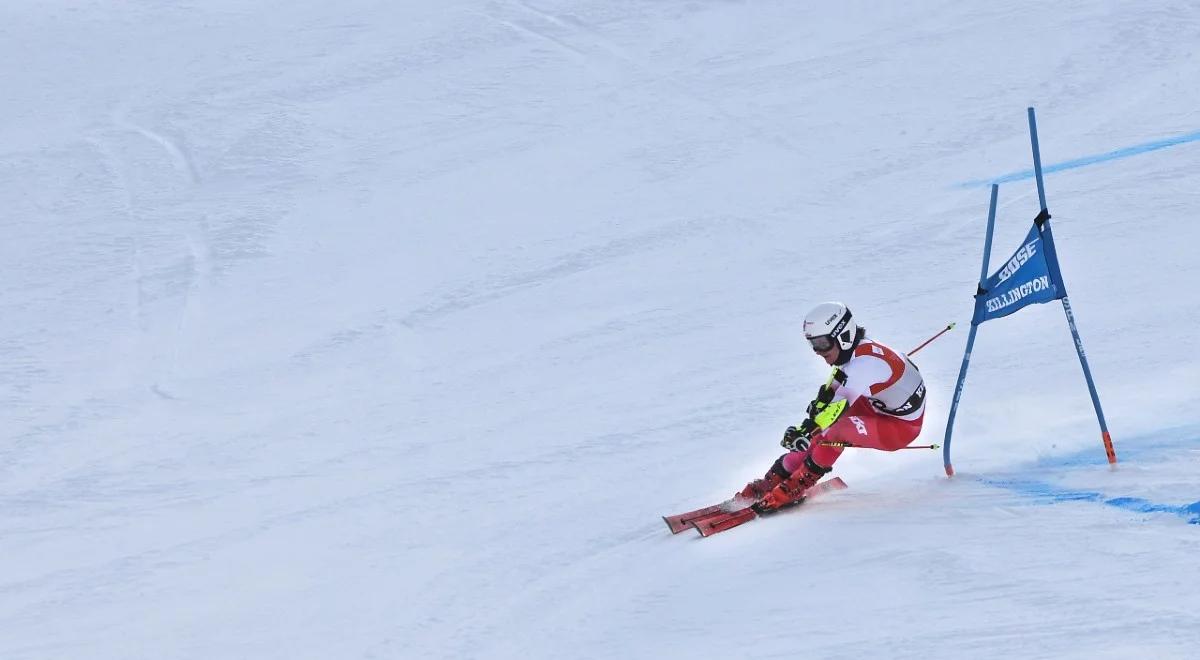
pixel 875 398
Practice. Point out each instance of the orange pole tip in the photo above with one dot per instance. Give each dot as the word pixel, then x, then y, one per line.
pixel 1108 447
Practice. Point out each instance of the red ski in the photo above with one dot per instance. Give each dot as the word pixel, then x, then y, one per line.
pixel 679 522
pixel 715 523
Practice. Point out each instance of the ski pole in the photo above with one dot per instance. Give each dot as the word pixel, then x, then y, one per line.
pixel 927 341
pixel 854 446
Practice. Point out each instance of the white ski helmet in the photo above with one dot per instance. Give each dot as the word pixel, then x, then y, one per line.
pixel 830 322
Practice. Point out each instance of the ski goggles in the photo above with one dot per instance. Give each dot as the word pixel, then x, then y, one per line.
pixel 822 344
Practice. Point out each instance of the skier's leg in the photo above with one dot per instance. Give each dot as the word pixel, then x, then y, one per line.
pixel 860 426
pixel 895 433
pixel 857 426
pixel 863 426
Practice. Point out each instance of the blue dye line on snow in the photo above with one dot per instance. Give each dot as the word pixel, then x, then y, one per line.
pixel 1049 494
pixel 1168 440
pixel 1117 154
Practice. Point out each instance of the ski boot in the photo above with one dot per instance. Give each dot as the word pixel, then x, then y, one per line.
pixel 755 490
pixel 791 490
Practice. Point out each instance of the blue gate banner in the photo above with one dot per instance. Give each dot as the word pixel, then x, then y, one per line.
pixel 1030 276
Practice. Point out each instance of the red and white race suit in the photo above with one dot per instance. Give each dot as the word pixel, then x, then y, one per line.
pixel 885 405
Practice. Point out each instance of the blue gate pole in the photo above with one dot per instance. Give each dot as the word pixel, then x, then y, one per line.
pixel 1109 451
pixel 962 371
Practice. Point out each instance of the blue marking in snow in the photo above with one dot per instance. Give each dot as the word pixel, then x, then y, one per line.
pixel 1142 449
pixel 1193 510
pixel 1048 494
pixel 1117 154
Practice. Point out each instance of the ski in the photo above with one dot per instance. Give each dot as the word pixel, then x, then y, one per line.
pixel 713 524
pixel 716 523
pixel 681 521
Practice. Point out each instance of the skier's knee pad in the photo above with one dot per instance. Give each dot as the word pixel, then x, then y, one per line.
pixel 790 463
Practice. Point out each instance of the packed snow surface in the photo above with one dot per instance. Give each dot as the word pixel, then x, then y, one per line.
pixel 390 329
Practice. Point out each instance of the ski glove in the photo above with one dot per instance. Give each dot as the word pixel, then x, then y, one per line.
pixel 796 439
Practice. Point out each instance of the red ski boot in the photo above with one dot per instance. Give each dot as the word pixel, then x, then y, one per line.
pixel 755 490
pixel 792 489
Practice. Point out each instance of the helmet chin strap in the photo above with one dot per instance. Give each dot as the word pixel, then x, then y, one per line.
pixel 844 354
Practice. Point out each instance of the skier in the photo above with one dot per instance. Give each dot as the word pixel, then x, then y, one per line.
pixel 875 398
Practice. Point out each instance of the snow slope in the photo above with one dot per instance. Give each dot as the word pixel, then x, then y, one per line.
pixel 389 330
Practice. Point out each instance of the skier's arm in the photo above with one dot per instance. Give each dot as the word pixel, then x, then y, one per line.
pixel 796 438
pixel 830 402
pixel 830 414
pixel 850 383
